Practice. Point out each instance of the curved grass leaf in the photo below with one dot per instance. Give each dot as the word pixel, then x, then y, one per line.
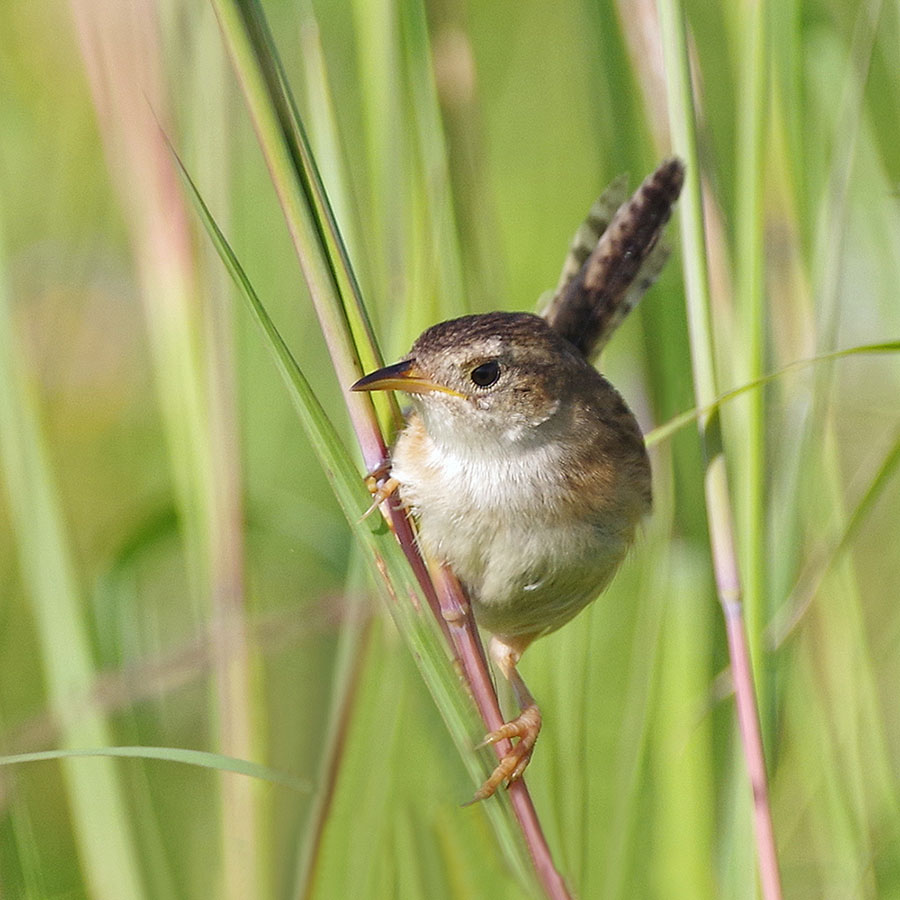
pixel 187 757
pixel 665 431
pixel 381 552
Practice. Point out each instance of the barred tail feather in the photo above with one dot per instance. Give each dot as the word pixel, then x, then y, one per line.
pixel 615 257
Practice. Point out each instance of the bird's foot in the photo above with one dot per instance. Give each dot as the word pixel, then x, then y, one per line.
pixel 526 727
pixel 381 486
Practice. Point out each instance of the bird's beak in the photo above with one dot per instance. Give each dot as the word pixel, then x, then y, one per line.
pixel 402 376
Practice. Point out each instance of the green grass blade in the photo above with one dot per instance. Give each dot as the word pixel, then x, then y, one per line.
pixel 235 685
pixel 200 758
pixel 382 554
pixel 681 742
pixel 353 648
pixel 718 500
pixel 98 807
pixel 665 431
pixel 810 580
pixel 321 252
pixel 443 282
pixel 324 134
pixel 748 423
pixel 339 467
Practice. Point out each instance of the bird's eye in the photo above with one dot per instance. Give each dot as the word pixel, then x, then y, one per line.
pixel 486 374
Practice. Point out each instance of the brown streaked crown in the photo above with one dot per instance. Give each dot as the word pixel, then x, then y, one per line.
pixel 523 329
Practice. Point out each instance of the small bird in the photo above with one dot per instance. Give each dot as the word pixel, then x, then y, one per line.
pixel 524 468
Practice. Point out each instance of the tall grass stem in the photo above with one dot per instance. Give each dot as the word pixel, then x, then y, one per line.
pixel 718 504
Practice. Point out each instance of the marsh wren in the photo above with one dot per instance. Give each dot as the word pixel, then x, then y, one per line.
pixel 525 470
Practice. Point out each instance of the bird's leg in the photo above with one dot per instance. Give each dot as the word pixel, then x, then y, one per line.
pixel 526 726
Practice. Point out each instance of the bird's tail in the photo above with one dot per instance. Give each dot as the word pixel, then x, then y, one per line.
pixel 614 258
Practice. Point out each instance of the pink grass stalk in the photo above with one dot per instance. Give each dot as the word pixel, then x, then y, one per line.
pixel 661 55
pixel 328 276
pixel 451 608
pixel 728 587
pixel 467 641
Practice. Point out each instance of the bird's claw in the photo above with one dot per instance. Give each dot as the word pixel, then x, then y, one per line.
pixel 526 727
pixel 381 486
pixel 380 492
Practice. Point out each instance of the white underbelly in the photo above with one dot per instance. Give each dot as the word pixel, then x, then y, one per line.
pixel 527 567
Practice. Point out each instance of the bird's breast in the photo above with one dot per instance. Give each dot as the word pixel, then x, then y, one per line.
pixel 530 551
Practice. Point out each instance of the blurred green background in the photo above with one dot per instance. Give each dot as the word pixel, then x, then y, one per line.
pixel 175 572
